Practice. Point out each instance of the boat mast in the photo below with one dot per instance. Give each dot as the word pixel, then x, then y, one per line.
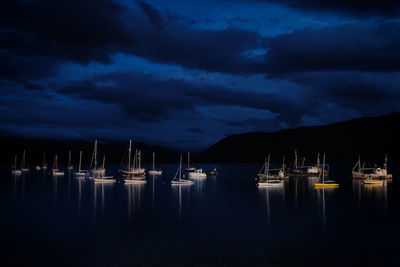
pixel 80 160
pixel 295 159
pixel 154 156
pixel 95 155
pixel 318 161
pixel 104 160
pixel 44 159
pixel 55 159
pixel 323 170
pixel 188 160
pixel 69 158
pixel 268 167
pixel 180 169
pixel 129 155
pixel 139 159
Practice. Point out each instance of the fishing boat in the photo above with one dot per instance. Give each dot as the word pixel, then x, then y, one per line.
pixel 14 170
pixel 70 166
pixel 154 171
pixel 282 171
pixel 188 168
pixel 44 166
pixel 360 172
pixel 264 179
pixel 134 168
pixel 304 170
pixel 23 167
pixel 325 183
pixel 80 172
pixel 55 170
pixel 177 180
pixel 197 174
pixel 38 168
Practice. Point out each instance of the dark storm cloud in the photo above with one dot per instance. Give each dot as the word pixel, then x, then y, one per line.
pixel 148 99
pixel 354 90
pixel 353 47
pixel 153 14
pixel 73 29
pixel 86 31
pixel 358 8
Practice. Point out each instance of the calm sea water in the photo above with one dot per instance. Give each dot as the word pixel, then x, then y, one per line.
pixel 224 220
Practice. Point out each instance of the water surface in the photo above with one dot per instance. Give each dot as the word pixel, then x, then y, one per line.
pixel 224 220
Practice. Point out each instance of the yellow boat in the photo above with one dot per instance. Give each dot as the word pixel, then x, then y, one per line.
pixel 325 183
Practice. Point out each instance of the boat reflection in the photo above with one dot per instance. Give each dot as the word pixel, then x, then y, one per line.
pixel 99 193
pixel 181 190
pixel 321 196
pixel 135 197
pixel 271 193
pixel 371 194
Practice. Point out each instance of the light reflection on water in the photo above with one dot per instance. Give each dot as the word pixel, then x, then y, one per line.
pixel 228 207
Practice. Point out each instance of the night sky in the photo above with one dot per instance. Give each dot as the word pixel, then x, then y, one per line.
pixel 185 74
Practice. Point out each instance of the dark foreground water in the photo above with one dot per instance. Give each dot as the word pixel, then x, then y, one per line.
pixel 225 220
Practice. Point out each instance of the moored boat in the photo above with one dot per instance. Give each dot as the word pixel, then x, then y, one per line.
pixel 325 183
pixel 360 172
pixel 177 180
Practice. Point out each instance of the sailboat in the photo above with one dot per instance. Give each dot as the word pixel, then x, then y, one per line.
pixel 264 179
pixel 14 170
pixel 94 171
pixel 177 180
pixel 70 166
pixel 80 172
pixel 44 167
pixel 101 176
pixel 55 170
pixel 23 167
pixel 189 169
pixel 325 183
pixel 134 168
pixel 154 171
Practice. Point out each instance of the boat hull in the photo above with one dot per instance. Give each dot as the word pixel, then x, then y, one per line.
pixel 318 185
pixel 181 182
pixel 360 175
pixel 155 172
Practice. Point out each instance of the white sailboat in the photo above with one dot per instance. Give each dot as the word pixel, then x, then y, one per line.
pixel 14 170
pixel 55 170
pixel 70 166
pixel 23 167
pixel 265 178
pixel 94 170
pixel 188 168
pixel 134 168
pixel 80 172
pixel 99 174
pixel 154 171
pixel 177 180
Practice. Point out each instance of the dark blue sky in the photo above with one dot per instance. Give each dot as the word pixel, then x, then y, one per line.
pixel 185 74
